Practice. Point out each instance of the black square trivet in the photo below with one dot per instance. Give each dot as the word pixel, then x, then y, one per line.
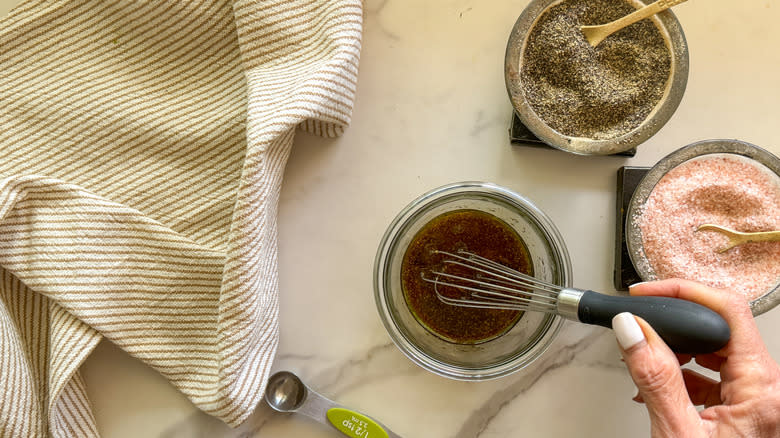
pixel 628 178
pixel 519 134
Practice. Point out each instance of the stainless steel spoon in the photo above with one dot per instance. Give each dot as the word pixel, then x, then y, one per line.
pixel 285 392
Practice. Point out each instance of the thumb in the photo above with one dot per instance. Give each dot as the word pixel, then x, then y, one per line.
pixel 656 373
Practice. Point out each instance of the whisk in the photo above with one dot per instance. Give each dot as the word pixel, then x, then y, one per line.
pixel 685 326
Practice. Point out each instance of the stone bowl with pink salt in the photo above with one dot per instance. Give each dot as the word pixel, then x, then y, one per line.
pixel 724 182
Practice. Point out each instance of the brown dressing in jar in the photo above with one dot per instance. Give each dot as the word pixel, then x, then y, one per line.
pixel 477 232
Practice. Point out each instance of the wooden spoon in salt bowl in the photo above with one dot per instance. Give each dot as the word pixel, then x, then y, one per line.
pixel 596 34
pixel 739 237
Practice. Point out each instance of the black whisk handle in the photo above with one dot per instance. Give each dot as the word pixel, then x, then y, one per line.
pixel 685 326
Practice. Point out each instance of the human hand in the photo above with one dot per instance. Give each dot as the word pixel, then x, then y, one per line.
pixel 746 402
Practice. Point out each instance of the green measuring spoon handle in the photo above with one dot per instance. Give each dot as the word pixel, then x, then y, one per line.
pixel 356 425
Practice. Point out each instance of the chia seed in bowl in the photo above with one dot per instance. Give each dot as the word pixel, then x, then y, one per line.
pixel 597 92
pixel 594 101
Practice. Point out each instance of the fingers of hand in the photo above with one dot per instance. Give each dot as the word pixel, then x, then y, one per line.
pixel 627 331
pixel 654 369
pixel 745 337
pixel 701 389
pixel 716 299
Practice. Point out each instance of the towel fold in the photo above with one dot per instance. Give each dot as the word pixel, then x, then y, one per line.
pixel 142 147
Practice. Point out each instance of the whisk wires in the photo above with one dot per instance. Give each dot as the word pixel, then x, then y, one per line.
pixel 492 285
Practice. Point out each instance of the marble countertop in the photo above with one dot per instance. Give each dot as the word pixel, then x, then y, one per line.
pixel 432 109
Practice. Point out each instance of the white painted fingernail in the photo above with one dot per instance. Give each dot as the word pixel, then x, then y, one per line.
pixel 627 330
pixel 636 284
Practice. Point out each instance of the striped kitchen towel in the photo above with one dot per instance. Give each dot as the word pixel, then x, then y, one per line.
pixel 142 146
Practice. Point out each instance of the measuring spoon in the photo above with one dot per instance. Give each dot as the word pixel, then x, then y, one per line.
pixel 285 392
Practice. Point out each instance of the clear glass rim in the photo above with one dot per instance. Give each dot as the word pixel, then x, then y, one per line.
pixel 393 232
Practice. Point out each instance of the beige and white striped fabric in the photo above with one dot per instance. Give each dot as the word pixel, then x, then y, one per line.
pixel 142 146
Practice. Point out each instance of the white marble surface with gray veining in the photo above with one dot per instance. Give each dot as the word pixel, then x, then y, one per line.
pixel 432 109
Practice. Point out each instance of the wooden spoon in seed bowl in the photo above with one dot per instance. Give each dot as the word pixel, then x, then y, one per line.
pixel 596 34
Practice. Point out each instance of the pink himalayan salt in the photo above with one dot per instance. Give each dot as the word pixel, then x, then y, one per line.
pixel 721 189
